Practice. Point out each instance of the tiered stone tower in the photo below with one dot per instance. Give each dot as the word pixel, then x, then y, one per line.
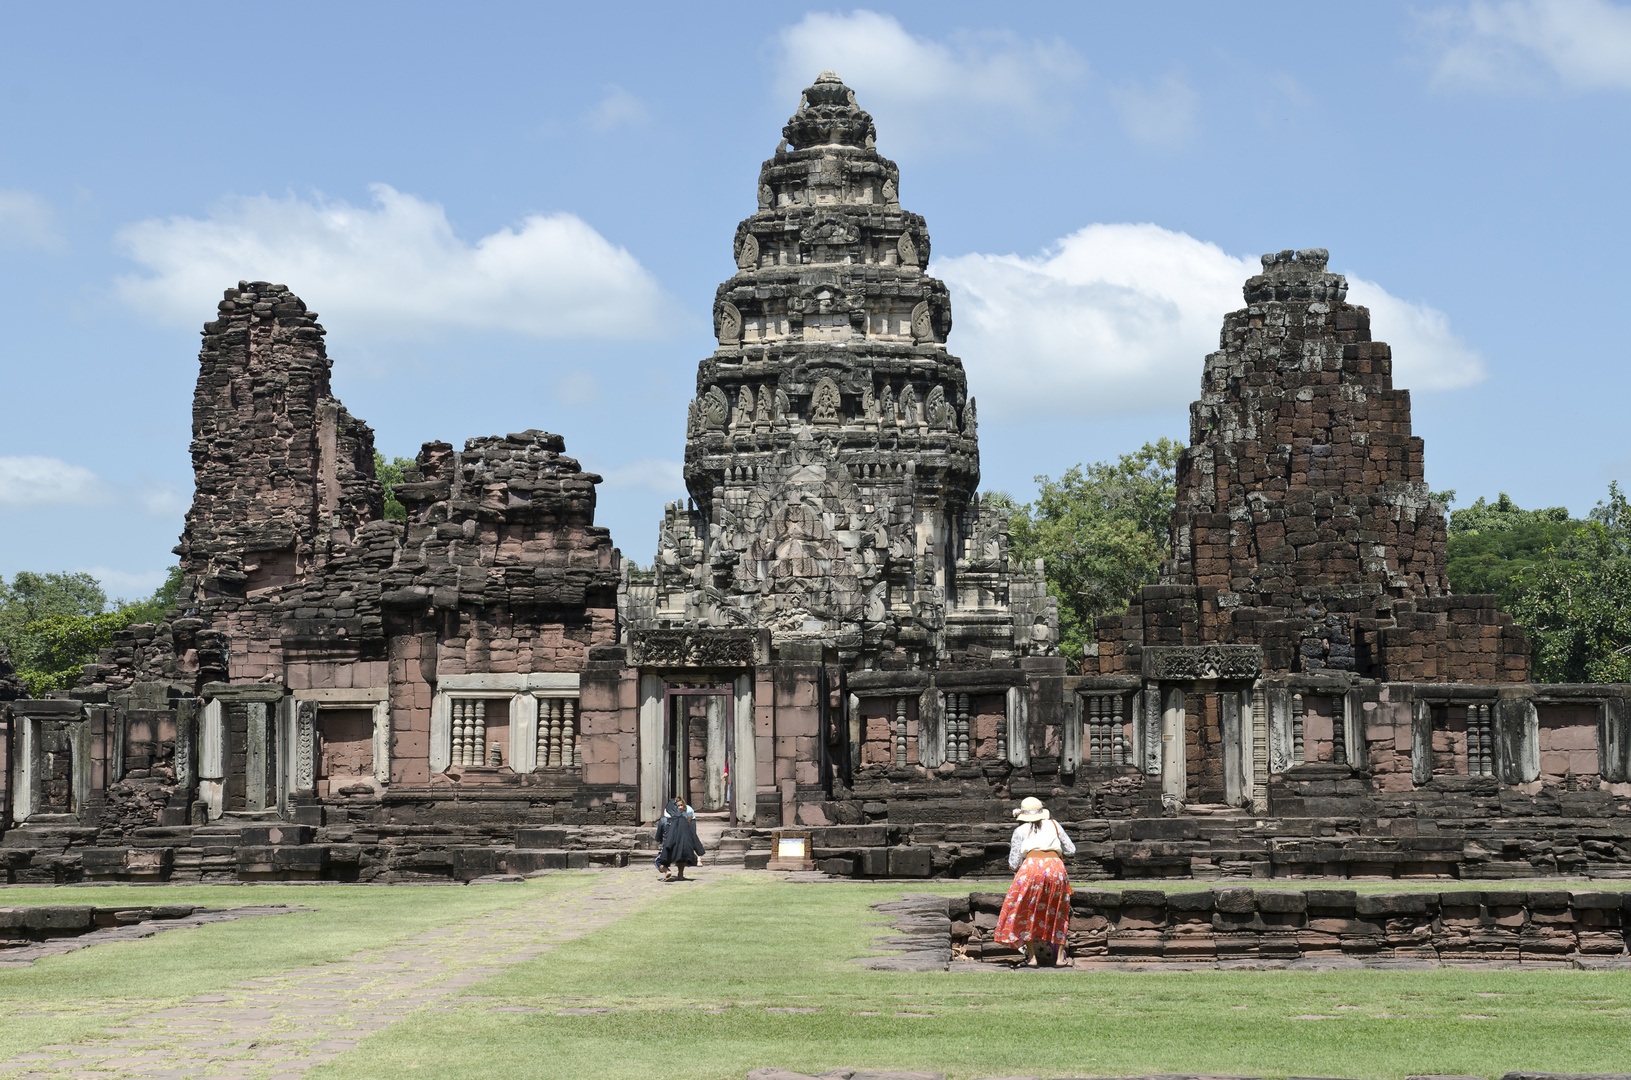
pixel 1303 522
pixel 830 452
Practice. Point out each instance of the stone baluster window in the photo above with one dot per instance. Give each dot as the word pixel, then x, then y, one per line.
pixel 958 742
pixel 1480 741
pixel 1297 729
pixel 1339 734
pixel 470 733
pixel 461 731
pixel 1107 742
pixel 559 740
pixel 900 732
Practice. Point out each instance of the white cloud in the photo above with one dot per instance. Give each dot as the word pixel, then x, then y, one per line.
pixel 618 108
pixel 1162 115
pixel 1119 317
pixel 46 481
pixel 162 501
pixel 922 91
pixel 126 585
pixel 1427 354
pixel 395 269
pixel 1519 45
pixel 578 388
pixel 656 475
pixel 26 221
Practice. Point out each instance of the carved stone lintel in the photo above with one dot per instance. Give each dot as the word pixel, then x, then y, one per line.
pixel 1189 663
pixel 700 648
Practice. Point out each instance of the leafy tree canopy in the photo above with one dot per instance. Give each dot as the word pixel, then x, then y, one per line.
pixel 1492 543
pixel 54 624
pixel 1575 601
pixel 1101 531
pixel 390 475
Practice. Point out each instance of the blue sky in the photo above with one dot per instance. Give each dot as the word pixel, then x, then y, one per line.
pixel 514 216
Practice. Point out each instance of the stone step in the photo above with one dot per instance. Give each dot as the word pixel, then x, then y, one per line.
pixel 527 860
pixel 293 862
pixel 541 837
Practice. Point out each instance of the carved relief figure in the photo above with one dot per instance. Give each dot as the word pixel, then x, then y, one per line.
pixel 825 403
pixel 907 250
pixel 886 405
pixel 877 602
pixel 730 324
pixel 922 324
pixel 935 408
pixel 869 405
pixel 970 424
pixel 747 257
pixel 908 407
pixel 716 409
pixel 692 419
pixel 782 405
pixel 891 194
pixel 767 198
pixel 762 417
pixel 742 418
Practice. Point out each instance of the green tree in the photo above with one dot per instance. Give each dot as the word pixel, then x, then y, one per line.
pixel 1491 544
pixel 55 624
pixel 29 598
pixel 390 475
pixel 1101 531
pixel 1575 600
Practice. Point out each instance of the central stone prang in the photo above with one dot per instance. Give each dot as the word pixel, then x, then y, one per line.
pixel 831 452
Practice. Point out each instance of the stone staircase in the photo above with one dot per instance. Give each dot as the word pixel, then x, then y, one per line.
pixel 545 848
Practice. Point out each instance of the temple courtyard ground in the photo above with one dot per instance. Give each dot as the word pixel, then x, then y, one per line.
pixel 614 974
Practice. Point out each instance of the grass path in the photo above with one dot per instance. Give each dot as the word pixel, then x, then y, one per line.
pixel 64 999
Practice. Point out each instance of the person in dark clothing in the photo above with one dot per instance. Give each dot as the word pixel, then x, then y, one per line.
pixel 679 846
pixel 670 812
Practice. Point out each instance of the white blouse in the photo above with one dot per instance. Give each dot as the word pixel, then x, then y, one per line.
pixel 1050 837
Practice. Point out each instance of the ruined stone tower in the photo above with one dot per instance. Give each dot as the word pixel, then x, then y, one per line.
pixel 831 453
pixel 1303 523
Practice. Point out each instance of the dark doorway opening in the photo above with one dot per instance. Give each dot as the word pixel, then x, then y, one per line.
pixel 699 747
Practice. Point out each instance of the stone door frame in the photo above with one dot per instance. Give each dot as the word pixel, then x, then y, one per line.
pixel 26 714
pixel 651 749
pixel 674 695
pixel 300 745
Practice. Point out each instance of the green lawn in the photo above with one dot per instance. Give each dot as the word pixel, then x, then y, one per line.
pixel 693 985
pixel 63 998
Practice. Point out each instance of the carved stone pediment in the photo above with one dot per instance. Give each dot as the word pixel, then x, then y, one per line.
pixel 1188 663
pixel 699 648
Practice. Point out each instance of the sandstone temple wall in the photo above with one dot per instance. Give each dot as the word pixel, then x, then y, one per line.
pixel 835 636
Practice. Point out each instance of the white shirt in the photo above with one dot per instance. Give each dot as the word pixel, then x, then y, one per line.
pixel 1050 837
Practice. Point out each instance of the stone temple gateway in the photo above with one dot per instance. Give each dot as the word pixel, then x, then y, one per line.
pixel 834 636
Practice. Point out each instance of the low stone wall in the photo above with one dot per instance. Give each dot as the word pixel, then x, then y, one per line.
pixel 21 927
pixel 241 848
pixel 1466 841
pixel 1324 928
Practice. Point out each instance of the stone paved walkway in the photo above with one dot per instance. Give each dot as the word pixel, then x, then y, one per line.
pixel 276 1027
pixel 28 954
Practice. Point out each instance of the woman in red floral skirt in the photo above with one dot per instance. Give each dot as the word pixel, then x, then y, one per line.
pixel 1036 911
